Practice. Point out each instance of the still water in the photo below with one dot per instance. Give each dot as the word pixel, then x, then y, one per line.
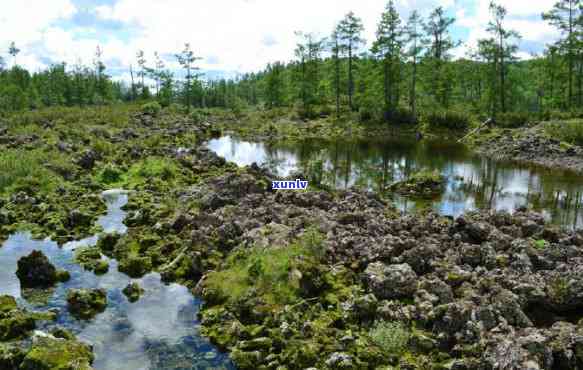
pixel 473 182
pixel 160 331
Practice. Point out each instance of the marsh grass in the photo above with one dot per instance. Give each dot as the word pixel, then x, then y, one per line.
pixel 570 131
pixel 23 170
pixel 267 270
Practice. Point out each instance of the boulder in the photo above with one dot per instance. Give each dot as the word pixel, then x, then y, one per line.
pixel 35 271
pixel 391 281
pixel 50 353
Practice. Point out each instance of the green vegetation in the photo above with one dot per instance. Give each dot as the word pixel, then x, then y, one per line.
pixel 267 271
pixel 391 337
pixel 570 131
pixel 409 74
pixel 23 169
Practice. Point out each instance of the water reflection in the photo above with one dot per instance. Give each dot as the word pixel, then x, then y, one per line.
pixel 473 182
pixel 160 331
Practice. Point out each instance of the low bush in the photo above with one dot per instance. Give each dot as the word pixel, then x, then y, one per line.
pixel 152 108
pixel 449 119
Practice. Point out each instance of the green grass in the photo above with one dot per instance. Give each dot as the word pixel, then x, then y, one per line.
pixel 24 170
pixel 391 337
pixel 570 131
pixel 266 270
pixel 149 170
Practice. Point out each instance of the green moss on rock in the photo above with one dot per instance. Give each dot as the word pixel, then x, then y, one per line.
pixel 86 303
pixel 58 354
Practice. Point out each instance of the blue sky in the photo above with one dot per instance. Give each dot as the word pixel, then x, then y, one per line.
pixel 232 36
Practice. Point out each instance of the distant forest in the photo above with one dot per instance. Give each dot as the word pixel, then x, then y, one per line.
pixel 408 71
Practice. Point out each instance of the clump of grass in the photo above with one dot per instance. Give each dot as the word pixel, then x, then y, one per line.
pixel 265 270
pixel 448 119
pixel 570 131
pixel 22 170
pixel 391 337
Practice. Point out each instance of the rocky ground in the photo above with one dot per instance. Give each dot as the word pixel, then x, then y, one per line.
pixel 530 145
pixel 315 279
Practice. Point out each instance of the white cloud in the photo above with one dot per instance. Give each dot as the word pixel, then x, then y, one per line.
pixel 25 21
pixel 230 35
pixel 523 16
pixel 235 30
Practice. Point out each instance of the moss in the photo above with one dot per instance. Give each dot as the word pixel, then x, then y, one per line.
pixel 90 259
pixel 391 337
pixel 15 324
pixel 86 303
pixel 135 267
pixel 421 184
pixel 58 354
pixel 7 303
pixel 11 355
pixel 133 291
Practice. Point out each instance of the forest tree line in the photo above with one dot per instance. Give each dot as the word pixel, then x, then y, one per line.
pixel 410 70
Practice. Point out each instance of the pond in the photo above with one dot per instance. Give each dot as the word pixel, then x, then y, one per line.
pixel 473 182
pixel 160 331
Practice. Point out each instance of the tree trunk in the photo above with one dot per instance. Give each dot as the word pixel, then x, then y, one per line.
pixel 350 80
pixel 133 85
pixel 337 65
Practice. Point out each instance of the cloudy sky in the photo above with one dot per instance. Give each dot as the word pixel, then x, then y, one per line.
pixel 230 35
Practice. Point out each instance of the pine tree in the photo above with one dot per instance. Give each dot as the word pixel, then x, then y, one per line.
pixel 413 39
pixel 566 16
pixel 503 51
pixel 439 45
pixel 350 31
pixel 187 59
pixel 388 47
pixel 13 50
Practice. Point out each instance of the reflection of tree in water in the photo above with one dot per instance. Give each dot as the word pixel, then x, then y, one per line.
pixel 472 181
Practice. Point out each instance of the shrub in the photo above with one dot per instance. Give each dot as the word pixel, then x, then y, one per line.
pixel 391 337
pixel 512 119
pixel 152 108
pixel 449 119
pixel 567 131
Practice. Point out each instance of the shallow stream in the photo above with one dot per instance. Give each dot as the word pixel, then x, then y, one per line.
pixel 160 331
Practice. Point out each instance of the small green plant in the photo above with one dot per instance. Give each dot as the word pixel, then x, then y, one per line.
pixel 391 337
pixel 540 244
pixel 152 108
pixel 110 175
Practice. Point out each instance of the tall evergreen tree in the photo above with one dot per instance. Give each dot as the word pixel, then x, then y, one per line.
pixel 440 44
pixel 350 31
pixel 413 38
pixel 13 50
pixel 503 50
pixel 187 59
pixel 388 47
pixel 566 16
